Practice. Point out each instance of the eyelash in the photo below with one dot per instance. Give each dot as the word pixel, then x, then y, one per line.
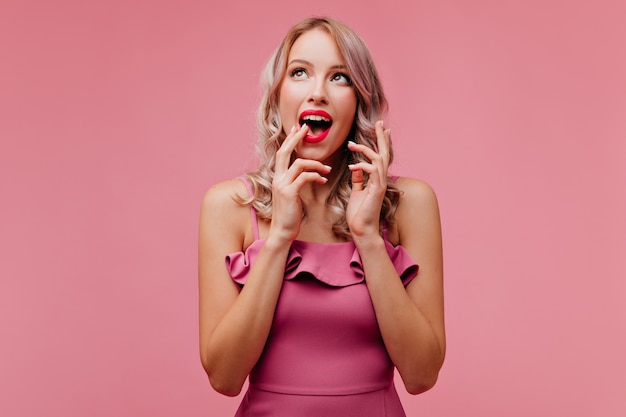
pixel 341 74
pixel 297 70
pixel 297 73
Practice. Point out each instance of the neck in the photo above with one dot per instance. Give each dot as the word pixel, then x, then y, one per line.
pixel 314 193
pixel 318 193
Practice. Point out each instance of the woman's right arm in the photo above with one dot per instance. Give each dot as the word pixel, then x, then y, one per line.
pixel 234 325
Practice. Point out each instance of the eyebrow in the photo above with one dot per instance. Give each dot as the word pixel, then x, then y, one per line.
pixel 305 62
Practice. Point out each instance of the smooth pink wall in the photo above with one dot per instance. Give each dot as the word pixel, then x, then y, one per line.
pixel 116 116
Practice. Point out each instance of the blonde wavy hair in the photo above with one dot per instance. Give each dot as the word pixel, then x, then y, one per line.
pixel 371 107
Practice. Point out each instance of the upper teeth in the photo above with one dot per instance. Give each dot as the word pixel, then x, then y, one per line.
pixel 315 118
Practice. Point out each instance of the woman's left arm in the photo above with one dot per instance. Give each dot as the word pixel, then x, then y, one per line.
pixel 411 319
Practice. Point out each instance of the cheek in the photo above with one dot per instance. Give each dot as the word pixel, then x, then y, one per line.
pixel 348 105
pixel 291 91
pixel 289 99
pixel 283 106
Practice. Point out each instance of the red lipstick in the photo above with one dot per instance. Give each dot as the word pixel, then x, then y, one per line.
pixel 318 121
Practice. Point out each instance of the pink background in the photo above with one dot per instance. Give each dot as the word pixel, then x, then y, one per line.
pixel 116 116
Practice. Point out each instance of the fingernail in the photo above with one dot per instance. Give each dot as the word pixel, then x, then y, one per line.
pixel 303 126
pixel 328 167
pixel 293 129
pixel 352 142
pixel 382 123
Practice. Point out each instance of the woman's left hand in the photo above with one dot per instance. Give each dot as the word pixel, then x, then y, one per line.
pixel 363 211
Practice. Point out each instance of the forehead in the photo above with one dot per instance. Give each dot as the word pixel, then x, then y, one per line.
pixel 316 44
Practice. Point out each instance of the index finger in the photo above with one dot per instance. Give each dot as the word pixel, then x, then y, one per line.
pixel 283 155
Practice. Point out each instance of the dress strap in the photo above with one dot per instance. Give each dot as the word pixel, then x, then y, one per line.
pixel 385 232
pixel 253 217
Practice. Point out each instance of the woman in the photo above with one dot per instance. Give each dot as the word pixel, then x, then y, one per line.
pixel 308 267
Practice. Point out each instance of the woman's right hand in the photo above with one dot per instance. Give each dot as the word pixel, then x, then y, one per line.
pixel 289 178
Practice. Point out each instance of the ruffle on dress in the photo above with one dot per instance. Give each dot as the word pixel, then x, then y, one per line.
pixel 334 264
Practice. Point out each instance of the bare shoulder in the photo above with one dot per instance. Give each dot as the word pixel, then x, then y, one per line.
pixel 418 209
pixel 416 194
pixel 223 195
pixel 221 213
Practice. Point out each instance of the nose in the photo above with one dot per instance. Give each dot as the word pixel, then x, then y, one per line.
pixel 318 93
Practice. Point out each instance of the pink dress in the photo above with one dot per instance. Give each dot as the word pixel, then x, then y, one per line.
pixel 324 356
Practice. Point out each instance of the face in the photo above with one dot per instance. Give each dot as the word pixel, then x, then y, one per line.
pixel 317 90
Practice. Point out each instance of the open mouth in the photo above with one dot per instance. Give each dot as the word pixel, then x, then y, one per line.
pixel 319 123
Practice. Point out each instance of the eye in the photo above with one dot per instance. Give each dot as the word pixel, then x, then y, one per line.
pixel 341 78
pixel 298 73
